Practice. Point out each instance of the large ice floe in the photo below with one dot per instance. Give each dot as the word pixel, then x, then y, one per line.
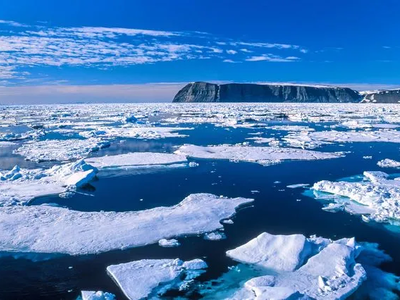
pixel 296 267
pixel 47 229
pixel 148 278
pixel 138 132
pixel 376 196
pixel 261 155
pixel 19 186
pixel 61 150
pixel 122 163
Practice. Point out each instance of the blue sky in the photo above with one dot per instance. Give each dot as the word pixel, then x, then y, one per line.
pixel 69 51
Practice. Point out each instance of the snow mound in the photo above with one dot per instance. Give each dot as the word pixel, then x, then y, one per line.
pixel 280 252
pixel 47 229
pixel 260 155
pixel 153 277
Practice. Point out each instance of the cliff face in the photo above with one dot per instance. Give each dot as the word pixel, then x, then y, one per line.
pixel 388 96
pixel 234 92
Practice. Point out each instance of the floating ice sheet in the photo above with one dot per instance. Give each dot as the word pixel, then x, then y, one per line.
pixel 153 277
pixel 135 160
pixel 376 196
pixel 46 229
pixel 19 186
pixel 260 155
pixel 61 150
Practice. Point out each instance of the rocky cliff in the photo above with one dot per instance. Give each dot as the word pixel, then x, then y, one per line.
pixel 235 92
pixel 386 96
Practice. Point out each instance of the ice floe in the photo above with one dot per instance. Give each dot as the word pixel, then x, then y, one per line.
pixel 61 150
pixel 19 186
pixel 135 160
pixel 296 267
pixel 153 277
pixel 389 163
pixel 99 295
pixel 168 243
pixel 47 229
pixel 138 132
pixel 261 155
pixel 376 195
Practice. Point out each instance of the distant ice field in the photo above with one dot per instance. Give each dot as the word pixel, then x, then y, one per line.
pixel 250 151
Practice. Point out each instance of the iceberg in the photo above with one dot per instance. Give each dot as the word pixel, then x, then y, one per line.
pixel 376 196
pixel 261 155
pixel 19 186
pixel 60 150
pixel 48 229
pixel 153 277
pixel 296 267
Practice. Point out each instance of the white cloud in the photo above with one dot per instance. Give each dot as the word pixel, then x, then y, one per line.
pixel 12 23
pixel 272 58
pixel 27 47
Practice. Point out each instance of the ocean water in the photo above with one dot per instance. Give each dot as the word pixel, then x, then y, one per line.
pixel 277 210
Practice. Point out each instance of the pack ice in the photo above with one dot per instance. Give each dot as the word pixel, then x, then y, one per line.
pixel 377 197
pixel 261 155
pixel 149 278
pixel 47 229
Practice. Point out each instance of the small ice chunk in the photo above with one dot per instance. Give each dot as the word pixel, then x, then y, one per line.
pixel 214 236
pixel 99 295
pixel 168 243
pixel 389 163
pixel 298 185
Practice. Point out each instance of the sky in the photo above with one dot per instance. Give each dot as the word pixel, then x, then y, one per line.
pixel 145 51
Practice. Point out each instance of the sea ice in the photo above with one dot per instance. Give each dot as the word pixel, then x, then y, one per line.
pixel 19 186
pixel 168 243
pixel 294 267
pixel 215 236
pixel 99 295
pixel 135 160
pixel 153 277
pixel 376 196
pixel 47 229
pixel 61 150
pixel 388 163
pixel 261 155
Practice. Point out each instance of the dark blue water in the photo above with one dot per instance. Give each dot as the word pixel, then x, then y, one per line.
pixel 277 210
